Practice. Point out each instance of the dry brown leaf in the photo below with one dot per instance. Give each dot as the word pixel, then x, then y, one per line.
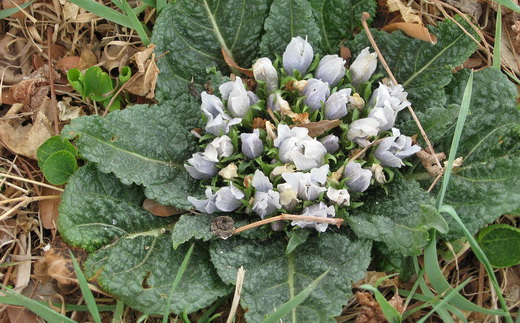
pixel 116 54
pixel 413 30
pixel 25 139
pixel 66 63
pixel 22 271
pixel 70 11
pixel 34 90
pixel 67 111
pixel 87 59
pixel 234 65
pixel 371 277
pixel 143 83
pixel 408 14
pixel 428 161
pixel 49 208
pixel 160 210
pixel 21 315
pixel 398 303
pixel 370 312
pixel 320 127
pixel 140 58
pixel 471 7
pixel 512 288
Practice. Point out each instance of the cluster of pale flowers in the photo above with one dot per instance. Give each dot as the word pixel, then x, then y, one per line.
pixel 300 169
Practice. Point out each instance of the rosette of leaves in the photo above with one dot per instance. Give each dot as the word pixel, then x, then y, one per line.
pixel 141 151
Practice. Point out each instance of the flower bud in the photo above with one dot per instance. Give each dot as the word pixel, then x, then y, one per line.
pixel 219 147
pixel 263 70
pixel 360 129
pixel 316 92
pixel 200 167
pixel 392 150
pixel 297 56
pixel 340 197
pixel 252 146
pixel 378 174
pixel 331 143
pixel 355 102
pixel 336 105
pixel 331 69
pixel 229 172
pixel 358 178
pixel 363 67
pixel 238 100
pixel 227 199
pixel 384 115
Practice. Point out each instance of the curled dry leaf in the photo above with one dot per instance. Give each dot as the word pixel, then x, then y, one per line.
pixel 49 208
pixel 34 90
pixel 143 83
pixel 408 13
pixel 428 161
pixel 14 51
pixel 67 111
pixel 371 311
pixel 234 65
pixel 116 54
pixel 413 30
pixel 160 210
pixel 25 139
pixel 320 127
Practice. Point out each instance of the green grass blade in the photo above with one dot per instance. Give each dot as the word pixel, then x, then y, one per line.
pixel 444 301
pixel 68 307
pixel 463 112
pixel 151 3
pixel 136 24
pixel 118 313
pixel 11 11
pixel 206 318
pixel 498 40
pixel 176 281
pixel 390 313
pixel 287 307
pixel 482 258
pixel 104 12
pixel 509 4
pixel 142 318
pixel 43 311
pixel 428 301
pixel 85 291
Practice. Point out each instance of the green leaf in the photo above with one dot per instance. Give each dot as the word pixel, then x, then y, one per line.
pixel 296 238
pixel 4 13
pixel 192 226
pixel 75 78
pixel 400 219
pixel 134 259
pixel 422 68
pixel 96 208
pixel 85 290
pixel 140 269
pixel 195 32
pixel 287 19
pixel 52 145
pixel 501 244
pixel 274 277
pixel 97 84
pixel 143 145
pixel 337 20
pixel 59 166
pixel 124 75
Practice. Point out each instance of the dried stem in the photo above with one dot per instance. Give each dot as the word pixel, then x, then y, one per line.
pixel 285 217
pixel 364 18
pixel 54 104
pixel 30 181
pixel 30 199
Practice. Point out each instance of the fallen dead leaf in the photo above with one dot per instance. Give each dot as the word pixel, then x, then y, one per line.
pixel 6 4
pixel 143 83
pixel 160 210
pixel 25 139
pixel 49 208
pixel 370 312
pixel 116 55
pixel 512 288
pixel 87 59
pixel 67 111
pixel 471 7
pixel 70 11
pixel 66 63
pixel 413 30
pixel 33 90
pixel 18 314
pixel 428 161
pixel 320 127
pixel 229 60
pixel 407 13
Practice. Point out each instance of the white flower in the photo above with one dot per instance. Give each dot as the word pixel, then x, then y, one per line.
pixel 207 205
pixel 308 185
pixel 237 97
pixel 331 143
pixel 363 67
pixel 392 150
pixel 317 210
pixel 336 105
pixel 298 55
pixel 395 96
pixel 252 146
pixel 263 70
pixel 385 115
pixel 266 200
pixel 360 129
pixel 358 178
pixel 218 121
pixel 227 199
pixel 200 167
pixel 340 197
pixel 316 93
pixel 219 147
pixel 331 69
pixel 295 146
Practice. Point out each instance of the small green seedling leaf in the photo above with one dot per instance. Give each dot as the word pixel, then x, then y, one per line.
pixel 52 145
pixel 59 167
pixel 75 78
pixel 124 74
pixel 501 244
pixel 97 84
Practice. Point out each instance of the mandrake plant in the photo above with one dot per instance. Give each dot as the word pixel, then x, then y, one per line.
pixel 298 142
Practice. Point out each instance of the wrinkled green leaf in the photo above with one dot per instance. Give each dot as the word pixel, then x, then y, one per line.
pixel 97 84
pixel 400 219
pixel 273 277
pixel 59 166
pixel 287 19
pixel 134 259
pixel 75 78
pixel 195 32
pixel 52 145
pixel 143 145
pixel 337 20
pixel 192 226
pixel 501 244
pixel 422 68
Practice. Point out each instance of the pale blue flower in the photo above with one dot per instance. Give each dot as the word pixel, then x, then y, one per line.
pixel 385 115
pixel 227 199
pixel 208 205
pixel 298 55
pixel 331 143
pixel 316 92
pixel 219 147
pixel 358 178
pixel 263 70
pixel 295 146
pixel 238 101
pixel 360 129
pixel 395 96
pixel 340 197
pixel 318 210
pixel 308 185
pixel 336 105
pixel 252 146
pixel 261 182
pixel 253 98
pixel 363 67
pixel 200 167
pixel 311 155
pixel 266 200
pixel 392 150
pixel 218 121
pixel 331 69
